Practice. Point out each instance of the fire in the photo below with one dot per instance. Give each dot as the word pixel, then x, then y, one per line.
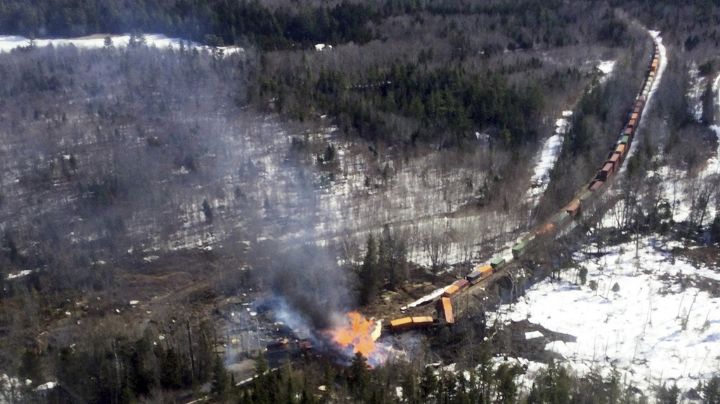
pixel 358 334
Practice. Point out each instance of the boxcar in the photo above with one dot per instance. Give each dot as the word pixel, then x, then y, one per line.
pixel 519 249
pixel 401 323
pixel 497 262
pixel 445 310
pixel 573 208
pixel 615 161
pixel 546 229
pixel 596 185
pixel 479 274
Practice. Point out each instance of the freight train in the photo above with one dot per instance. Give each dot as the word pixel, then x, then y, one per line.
pixel 584 198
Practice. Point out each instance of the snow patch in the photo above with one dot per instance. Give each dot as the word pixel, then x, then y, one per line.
pixel 20 274
pixel 695 91
pixel 321 47
pixel 606 67
pixel 547 157
pixel 533 334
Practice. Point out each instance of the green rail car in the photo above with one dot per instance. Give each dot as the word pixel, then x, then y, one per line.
pixel 497 262
pixel 519 248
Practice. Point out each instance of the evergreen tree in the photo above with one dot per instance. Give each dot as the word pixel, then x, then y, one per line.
pixel 428 382
pixel 171 372
pixel 359 376
pixel 668 395
pixel 207 211
pixel 369 277
pixel 219 378
pixel 711 391
pixel 30 367
pixel 505 381
pixel 263 385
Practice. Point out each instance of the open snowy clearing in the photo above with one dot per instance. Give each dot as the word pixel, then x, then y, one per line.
pixel 10 42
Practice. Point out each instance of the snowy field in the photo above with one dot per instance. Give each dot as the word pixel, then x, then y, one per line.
pixel 652 329
pixel 10 42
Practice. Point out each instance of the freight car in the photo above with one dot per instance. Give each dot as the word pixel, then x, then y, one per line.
pixel 445 310
pixel 519 248
pixel 573 208
pixel 455 288
pixel 497 262
pixel 408 323
pixel 479 273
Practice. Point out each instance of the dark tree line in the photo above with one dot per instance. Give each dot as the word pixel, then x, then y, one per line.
pixel 215 22
pixel 446 100
pixel 122 370
pixel 483 383
pixel 385 265
pixel 284 25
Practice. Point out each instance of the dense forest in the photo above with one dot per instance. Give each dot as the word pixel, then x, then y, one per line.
pixel 270 27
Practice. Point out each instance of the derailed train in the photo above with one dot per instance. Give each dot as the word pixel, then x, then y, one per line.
pixel 584 198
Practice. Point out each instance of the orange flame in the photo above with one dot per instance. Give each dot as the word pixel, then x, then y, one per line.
pixel 357 334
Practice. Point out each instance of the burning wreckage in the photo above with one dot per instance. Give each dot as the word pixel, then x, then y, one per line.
pixel 352 333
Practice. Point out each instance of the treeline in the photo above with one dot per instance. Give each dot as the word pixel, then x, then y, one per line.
pixel 385 265
pixel 214 22
pixel 285 25
pixel 118 369
pixel 448 102
pixel 121 370
pixel 484 383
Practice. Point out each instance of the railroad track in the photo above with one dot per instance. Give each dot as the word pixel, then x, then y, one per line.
pixel 589 201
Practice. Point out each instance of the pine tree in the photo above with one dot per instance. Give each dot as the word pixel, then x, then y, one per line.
pixel 428 382
pixel 359 376
pixel 369 279
pixel 711 391
pixel 30 367
pixel 263 385
pixel 219 378
pixel 171 372
pixel 207 211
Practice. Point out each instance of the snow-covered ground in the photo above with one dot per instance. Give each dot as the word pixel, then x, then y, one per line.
pixel 679 188
pixel 10 42
pixel 713 165
pixel 547 157
pixel 606 67
pixel 652 328
pixel 694 95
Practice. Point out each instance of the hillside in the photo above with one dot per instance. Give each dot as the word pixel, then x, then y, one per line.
pixel 194 192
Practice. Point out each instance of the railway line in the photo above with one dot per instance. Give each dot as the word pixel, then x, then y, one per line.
pixel 586 203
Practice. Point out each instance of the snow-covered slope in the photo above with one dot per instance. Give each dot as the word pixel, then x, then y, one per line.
pixel 547 157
